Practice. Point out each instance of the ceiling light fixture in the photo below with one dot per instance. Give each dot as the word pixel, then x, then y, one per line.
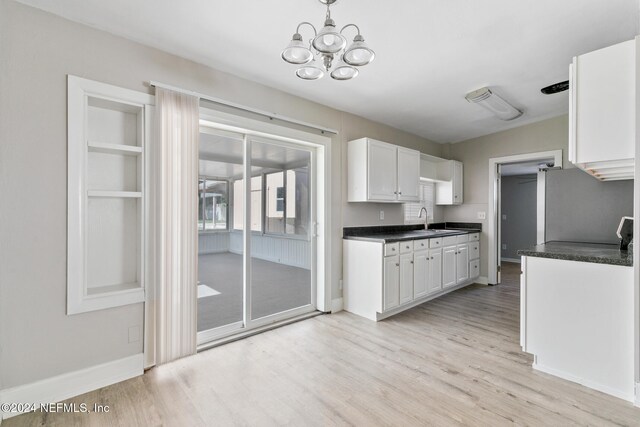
pixel 492 102
pixel 329 44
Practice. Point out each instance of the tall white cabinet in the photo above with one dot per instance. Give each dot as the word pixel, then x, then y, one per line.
pixel 108 134
pixel 381 172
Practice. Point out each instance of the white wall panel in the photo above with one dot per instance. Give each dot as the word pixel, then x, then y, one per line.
pixel 283 250
pixel 212 243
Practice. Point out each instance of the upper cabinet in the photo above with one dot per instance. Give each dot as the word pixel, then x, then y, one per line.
pixel 382 172
pixel 449 184
pixel 602 102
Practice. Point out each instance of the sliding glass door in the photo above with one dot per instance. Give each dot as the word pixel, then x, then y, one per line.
pixel 256 240
pixel 281 255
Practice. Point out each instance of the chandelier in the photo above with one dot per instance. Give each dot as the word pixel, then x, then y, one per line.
pixel 328 45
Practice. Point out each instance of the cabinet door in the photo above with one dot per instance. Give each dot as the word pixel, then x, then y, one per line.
pixel 391 282
pixel 408 174
pixel 603 113
pixel 382 171
pixel 457 183
pixel 406 278
pixel 435 271
pixel 462 263
pixel 421 273
pixel 449 266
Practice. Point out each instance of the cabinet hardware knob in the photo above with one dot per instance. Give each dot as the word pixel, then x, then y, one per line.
pixel 400 192
pixel 431 257
pixel 411 262
pixel 397 264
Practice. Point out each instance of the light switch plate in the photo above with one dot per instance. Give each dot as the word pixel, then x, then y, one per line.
pixel 381 215
pixel 482 215
pixel 504 246
pixel 504 217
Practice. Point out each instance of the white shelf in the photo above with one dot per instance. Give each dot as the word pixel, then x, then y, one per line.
pixel 127 150
pixel 103 193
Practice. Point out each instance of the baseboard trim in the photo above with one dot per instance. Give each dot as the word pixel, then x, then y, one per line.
pixel 516 260
pixel 637 401
pixel 482 280
pixel 629 397
pixel 337 305
pixel 71 384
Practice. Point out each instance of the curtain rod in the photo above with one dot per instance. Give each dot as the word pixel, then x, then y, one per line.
pixel 243 107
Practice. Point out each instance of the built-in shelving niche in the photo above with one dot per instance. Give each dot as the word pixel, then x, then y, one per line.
pixel 108 133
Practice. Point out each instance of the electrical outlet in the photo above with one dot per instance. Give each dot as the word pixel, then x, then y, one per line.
pixel 504 246
pixel 381 215
pixel 482 215
pixel 134 333
pixel 504 217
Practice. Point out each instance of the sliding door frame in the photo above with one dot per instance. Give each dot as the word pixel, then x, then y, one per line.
pixel 319 147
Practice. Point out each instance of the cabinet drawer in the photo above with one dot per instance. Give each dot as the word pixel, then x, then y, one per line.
pixel 420 244
pixel 406 247
pixel 435 243
pixel 391 249
pixel 475 237
pixel 463 238
pixel 449 241
pixel 474 250
pixel 474 268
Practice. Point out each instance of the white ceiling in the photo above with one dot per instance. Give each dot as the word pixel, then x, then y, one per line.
pixel 430 53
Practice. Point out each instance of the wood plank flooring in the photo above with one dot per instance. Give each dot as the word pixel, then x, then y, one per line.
pixel 452 361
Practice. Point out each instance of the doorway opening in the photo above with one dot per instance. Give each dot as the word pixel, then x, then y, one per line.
pixel 260 204
pixel 516 206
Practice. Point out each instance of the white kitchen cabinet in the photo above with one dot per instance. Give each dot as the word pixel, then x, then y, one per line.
pixel 382 172
pixel 462 263
pixel 408 174
pixel 449 188
pixel 434 283
pixel 602 98
pixel 391 282
pixel 421 273
pixel 449 277
pixel 406 278
pixel 382 279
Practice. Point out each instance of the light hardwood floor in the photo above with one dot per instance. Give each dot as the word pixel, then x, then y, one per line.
pixel 452 361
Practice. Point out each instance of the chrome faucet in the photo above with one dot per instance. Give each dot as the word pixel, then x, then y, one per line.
pixel 426 218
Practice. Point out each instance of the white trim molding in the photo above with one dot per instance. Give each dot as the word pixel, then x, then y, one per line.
pixel 492 219
pixel 65 386
pixel 585 382
pixel 337 304
pixel 516 260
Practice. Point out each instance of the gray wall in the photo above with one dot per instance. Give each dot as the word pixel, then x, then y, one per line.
pixel 570 216
pixel 519 203
pixel 37 51
pixel 551 134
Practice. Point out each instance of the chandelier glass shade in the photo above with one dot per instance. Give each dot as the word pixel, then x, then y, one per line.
pixel 329 44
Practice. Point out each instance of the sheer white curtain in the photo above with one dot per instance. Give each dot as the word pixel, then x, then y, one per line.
pixel 177 118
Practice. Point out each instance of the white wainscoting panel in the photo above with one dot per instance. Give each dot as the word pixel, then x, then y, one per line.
pixel 293 252
pixel 213 243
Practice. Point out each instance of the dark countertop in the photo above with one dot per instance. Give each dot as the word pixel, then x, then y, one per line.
pixel 390 234
pixel 599 253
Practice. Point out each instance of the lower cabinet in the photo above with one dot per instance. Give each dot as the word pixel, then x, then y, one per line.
pixel 462 263
pixel 391 282
pixel 427 272
pixel 383 279
pixel 449 277
pixel 406 278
